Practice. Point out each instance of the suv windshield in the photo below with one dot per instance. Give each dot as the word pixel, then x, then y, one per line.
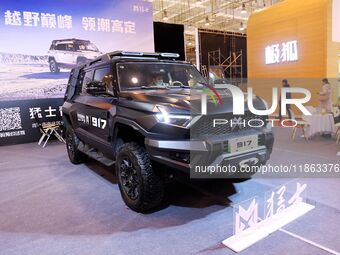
pixel 87 46
pixel 157 75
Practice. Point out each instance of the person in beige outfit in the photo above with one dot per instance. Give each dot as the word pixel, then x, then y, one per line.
pixel 325 96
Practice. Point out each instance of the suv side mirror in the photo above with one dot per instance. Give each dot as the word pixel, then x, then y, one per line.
pixel 96 87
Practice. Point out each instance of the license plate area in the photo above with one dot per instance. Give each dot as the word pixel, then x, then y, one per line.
pixel 239 144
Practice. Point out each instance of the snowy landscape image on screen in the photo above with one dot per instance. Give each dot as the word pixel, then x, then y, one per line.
pixel 29 77
pixel 43 40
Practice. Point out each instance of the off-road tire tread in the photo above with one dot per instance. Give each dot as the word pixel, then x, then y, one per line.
pixel 79 157
pixel 152 189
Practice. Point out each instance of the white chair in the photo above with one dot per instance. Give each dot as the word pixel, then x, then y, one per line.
pixel 47 130
pixel 301 124
pixel 336 113
pixel 337 133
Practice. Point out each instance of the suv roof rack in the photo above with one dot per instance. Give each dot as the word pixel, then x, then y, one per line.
pixel 110 55
pixel 70 39
pixel 143 54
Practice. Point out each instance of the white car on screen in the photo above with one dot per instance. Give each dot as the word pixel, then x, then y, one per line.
pixel 68 53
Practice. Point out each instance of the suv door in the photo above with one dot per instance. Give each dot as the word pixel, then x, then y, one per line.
pixel 93 110
pixel 60 53
pixel 70 54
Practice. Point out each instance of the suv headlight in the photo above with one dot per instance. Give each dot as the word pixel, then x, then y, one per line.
pixel 172 119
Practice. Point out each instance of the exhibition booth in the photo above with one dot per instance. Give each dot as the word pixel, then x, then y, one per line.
pixel 169 127
pixel 297 41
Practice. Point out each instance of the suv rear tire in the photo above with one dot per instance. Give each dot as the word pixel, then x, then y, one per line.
pixel 140 187
pixel 72 142
pixel 53 66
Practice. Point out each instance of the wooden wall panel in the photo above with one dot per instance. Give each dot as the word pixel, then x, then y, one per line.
pixel 333 51
pixel 304 21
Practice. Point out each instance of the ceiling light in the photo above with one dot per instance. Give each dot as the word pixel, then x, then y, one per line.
pixel 134 80
pixel 198 2
pixel 189 43
pixel 244 10
pixel 242 27
pixel 207 23
pixel 165 15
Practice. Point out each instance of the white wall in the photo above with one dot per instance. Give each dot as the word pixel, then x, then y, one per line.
pixel 336 21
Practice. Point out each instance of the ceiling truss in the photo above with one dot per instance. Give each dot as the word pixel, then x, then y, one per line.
pixel 221 15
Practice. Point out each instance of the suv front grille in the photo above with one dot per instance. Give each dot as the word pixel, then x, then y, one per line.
pixel 204 126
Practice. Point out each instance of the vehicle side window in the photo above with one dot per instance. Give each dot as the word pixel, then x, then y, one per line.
pixel 69 47
pixel 60 47
pixel 104 75
pixel 79 84
pixel 87 79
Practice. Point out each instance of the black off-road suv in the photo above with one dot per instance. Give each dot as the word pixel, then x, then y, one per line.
pixel 136 111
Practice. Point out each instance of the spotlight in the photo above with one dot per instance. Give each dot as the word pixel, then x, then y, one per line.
pixel 242 28
pixel 244 10
pixel 207 23
pixel 165 15
pixel 134 80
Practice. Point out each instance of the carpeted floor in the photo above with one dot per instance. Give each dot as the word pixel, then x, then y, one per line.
pixel 49 206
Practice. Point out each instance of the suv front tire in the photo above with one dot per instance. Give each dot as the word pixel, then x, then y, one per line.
pixel 53 66
pixel 140 187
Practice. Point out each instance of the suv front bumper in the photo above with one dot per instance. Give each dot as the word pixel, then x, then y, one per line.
pixel 177 154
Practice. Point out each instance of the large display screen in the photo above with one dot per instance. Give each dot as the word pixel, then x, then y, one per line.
pixel 38 34
pixel 41 40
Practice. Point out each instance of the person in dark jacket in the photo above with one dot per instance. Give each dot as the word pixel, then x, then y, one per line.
pixel 285 84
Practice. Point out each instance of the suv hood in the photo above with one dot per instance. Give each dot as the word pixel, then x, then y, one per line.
pixel 175 100
pixel 90 54
pixel 180 100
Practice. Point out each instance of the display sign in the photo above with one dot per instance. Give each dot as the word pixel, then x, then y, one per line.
pixel 18 123
pixel 282 53
pixel 276 200
pixel 253 222
pixel 42 41
pixel 336 21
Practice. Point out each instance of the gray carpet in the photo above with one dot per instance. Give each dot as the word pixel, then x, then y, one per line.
pixel 49 206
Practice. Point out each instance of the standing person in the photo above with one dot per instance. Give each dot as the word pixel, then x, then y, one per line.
pixel 325 96
pixel 285 84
